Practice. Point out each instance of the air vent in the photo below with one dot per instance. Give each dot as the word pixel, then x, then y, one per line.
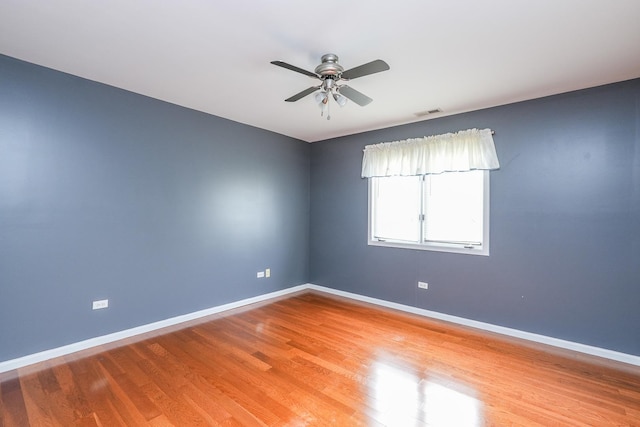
pixel 428 112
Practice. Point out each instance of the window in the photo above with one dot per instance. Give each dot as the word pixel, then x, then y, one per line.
pixel 441 212
pixel 431 193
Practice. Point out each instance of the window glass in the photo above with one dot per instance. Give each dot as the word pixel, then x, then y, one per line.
pixel 397 208
pixel 454 207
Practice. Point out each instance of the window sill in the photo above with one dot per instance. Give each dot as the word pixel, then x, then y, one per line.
pixel 455 249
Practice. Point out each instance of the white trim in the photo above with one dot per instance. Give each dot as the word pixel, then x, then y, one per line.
pixel 42 356
pixel 30 359
pixel 529 336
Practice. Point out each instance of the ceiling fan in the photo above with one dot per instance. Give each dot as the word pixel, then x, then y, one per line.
pixel 330 74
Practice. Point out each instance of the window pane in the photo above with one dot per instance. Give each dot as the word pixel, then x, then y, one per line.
pixel 454 207
pixel 396 208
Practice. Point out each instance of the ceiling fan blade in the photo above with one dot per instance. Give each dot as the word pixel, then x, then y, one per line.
pixel 302 94
pixel 365 69
pixel 357 97
pixel 294 68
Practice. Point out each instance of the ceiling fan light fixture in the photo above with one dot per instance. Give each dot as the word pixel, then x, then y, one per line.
pixel 321 98
pixel 324 106
pixel 340 99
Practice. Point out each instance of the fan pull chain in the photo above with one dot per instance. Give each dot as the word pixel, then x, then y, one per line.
pixel 324 105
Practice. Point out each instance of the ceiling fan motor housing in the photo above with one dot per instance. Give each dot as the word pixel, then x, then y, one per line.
pixel 329 66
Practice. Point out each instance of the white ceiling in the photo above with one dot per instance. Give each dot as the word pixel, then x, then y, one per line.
pixel 213 55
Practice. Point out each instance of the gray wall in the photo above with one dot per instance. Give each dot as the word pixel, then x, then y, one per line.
pixel 161 209
pixel 565 222
pixel 165 211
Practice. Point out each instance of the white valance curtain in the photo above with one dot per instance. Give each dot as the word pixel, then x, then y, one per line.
pixel 452 152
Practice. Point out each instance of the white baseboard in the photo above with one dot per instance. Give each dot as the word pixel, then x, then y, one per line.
pixel 42 356
pixel 30 359
pixel 555 342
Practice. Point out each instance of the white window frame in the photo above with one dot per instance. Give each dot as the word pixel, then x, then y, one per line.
pixel 458 248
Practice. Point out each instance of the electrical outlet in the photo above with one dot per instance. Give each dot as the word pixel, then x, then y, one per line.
pixel 103 303
pixel 423 285
pixel 260 274
pixel 267 272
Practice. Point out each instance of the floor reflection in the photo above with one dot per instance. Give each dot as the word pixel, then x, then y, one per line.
pixel 396 395
pixel 444 406
pixel 403 398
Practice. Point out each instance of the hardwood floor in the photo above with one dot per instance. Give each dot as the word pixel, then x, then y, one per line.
pixel 315 359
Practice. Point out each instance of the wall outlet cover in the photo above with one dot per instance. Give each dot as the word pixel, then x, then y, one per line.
pixel 103 303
